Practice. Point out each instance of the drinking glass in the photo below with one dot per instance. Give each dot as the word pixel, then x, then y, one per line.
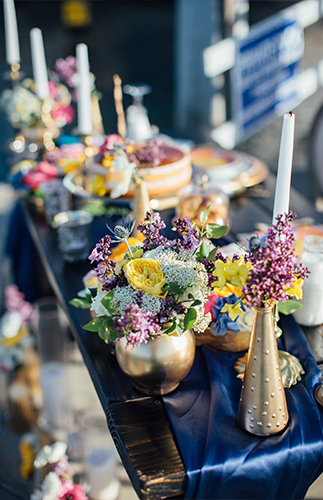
pixel 100 458
pixel 50 325
pixel 73 230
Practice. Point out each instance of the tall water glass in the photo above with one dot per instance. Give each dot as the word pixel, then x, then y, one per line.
pixel 51 328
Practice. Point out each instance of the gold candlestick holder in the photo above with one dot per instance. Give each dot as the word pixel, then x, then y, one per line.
pixel 15 73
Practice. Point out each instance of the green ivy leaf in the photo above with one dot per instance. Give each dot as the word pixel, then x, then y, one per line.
pixel 215 230
pixel 204 249
pixel 94 324
pixel 196 303
pixel 103 331
pixel 190 318
pixel 80 303
pixel 107 302
pixel 172 327
pixel 289 307
pixel 204 215
pixel 212 254
pixel 172 287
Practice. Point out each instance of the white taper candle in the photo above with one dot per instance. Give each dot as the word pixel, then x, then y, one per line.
pixel 84 109
pixel 285 162
pixel 39 63
pixel 11 32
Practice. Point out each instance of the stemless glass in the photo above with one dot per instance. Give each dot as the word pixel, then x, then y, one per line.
pixel 50 325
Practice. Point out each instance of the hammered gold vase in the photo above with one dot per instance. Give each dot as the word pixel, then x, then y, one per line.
pixel 263 408
pixel 157 368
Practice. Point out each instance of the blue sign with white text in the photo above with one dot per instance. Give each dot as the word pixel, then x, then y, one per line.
pixel 264 82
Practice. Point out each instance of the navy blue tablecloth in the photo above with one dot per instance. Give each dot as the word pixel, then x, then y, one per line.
pixel 225 462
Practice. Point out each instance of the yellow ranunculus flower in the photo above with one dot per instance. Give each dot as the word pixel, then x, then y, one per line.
pixel 219 273
pixel 296 289
pixel 237 271
pixel 146 275
pixel 234 310
pixel 231 273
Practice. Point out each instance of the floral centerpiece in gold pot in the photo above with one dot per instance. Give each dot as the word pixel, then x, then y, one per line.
pixel 152 301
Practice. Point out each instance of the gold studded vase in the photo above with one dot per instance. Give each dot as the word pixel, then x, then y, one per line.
pixel 158 367
pixel 263 408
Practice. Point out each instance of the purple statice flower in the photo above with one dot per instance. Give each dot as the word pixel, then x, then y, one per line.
pixel 274 265
pixel 104 271
pixel 115 280
pixel 150 230
pixel 150 155
pixel 189 232
pixel 101 251
pixel 209 267
pixel 169 308
pixel 222 322
pixel 137 326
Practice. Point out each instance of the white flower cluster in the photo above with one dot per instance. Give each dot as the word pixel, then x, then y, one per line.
pixel 124 296
pixel 176 270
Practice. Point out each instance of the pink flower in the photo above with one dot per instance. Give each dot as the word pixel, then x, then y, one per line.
pixel 208 306
pixel 71 491
pixel 63 113
pixel 44 172
pixel 53 89
pixel 110 141
pixel 15 302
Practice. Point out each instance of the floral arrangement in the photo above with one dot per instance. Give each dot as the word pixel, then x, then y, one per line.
pixel 65 71
pixel 28 175
pixel 24 108
pixel 159 286
pixel 265 275
pixel 59 483
pixel 124 158
pixel 15 335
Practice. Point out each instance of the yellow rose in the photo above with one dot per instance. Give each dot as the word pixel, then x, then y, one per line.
pixel 146 275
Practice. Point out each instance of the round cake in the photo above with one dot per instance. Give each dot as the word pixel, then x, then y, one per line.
pixel 165 168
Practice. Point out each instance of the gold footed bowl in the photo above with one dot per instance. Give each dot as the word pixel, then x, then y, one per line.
pixel 157 368
pixel 228 342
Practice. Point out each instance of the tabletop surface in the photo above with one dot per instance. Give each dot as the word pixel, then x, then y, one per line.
pixel 139 424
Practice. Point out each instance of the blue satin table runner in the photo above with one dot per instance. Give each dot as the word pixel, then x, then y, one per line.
pixel 223 461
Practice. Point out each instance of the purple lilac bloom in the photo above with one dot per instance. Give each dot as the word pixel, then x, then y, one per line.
pixel 66 69
pixel 150 155
pixel 137 326
pixel 64 469
pixel 222 322
pixel 150 230
pixel 189 232
pixel 274 265
pixel 101 250
pixel 168 309
pixel 209 267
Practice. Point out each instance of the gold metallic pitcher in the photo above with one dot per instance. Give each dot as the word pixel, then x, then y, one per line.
pixel 263 408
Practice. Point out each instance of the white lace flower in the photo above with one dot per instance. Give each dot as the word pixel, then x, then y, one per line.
pixel 96 305
pixel 245 321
